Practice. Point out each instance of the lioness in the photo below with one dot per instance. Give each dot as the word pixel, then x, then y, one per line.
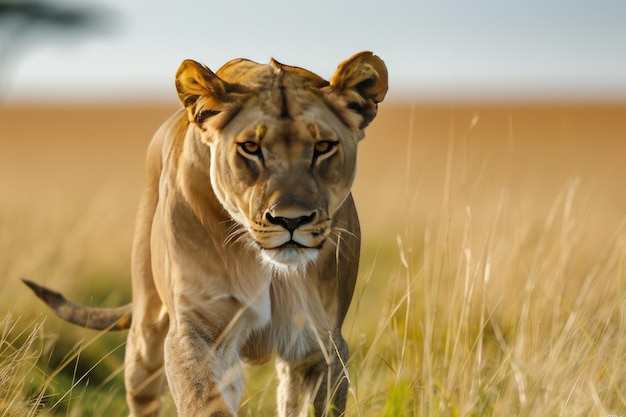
pixel 247 239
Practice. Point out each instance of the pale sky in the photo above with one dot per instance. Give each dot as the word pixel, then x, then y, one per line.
pixel 481 49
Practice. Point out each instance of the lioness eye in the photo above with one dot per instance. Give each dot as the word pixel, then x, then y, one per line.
pixel 324 146
pixel 251 148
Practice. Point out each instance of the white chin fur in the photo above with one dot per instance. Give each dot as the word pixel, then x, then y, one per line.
pixel 289 259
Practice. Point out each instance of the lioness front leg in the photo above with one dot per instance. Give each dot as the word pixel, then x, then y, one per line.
pixel 202 363
pixel 316 381
pixel 144 375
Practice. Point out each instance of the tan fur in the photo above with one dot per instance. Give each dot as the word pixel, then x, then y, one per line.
pixel 247 239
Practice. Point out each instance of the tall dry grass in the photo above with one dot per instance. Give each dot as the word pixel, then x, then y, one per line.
pixel 497 321
pixel 495 289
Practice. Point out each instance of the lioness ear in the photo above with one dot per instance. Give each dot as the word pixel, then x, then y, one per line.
pixel 362 80
pixel 201 91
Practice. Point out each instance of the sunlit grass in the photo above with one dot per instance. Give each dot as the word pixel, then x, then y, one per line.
pixel 18 359
pixel 500 322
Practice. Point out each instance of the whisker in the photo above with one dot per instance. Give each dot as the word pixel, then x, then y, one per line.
pixel 332 243
pixel 243 237
pixel 349 250
pixel 235 233
pixel 345 231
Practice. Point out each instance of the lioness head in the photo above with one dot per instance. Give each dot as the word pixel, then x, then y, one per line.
pixel 283 144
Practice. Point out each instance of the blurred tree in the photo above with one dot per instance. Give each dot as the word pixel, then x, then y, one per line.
pixel 26 24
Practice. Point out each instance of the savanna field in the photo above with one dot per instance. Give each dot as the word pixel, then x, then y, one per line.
pixel 492 278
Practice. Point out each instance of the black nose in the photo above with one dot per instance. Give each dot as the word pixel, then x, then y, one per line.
pixel 290 223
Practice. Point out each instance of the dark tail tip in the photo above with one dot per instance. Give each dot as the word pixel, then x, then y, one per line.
pixel 50 297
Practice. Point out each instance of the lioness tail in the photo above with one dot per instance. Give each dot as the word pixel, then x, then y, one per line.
pixel 116 318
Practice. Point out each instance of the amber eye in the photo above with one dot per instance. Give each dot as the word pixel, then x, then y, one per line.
pixel 323 147
pixel 251 148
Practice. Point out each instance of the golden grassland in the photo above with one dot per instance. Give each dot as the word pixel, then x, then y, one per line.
pixel 493 275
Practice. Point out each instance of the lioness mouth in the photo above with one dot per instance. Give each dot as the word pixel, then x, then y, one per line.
pixel 291 253
pixel 292 244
